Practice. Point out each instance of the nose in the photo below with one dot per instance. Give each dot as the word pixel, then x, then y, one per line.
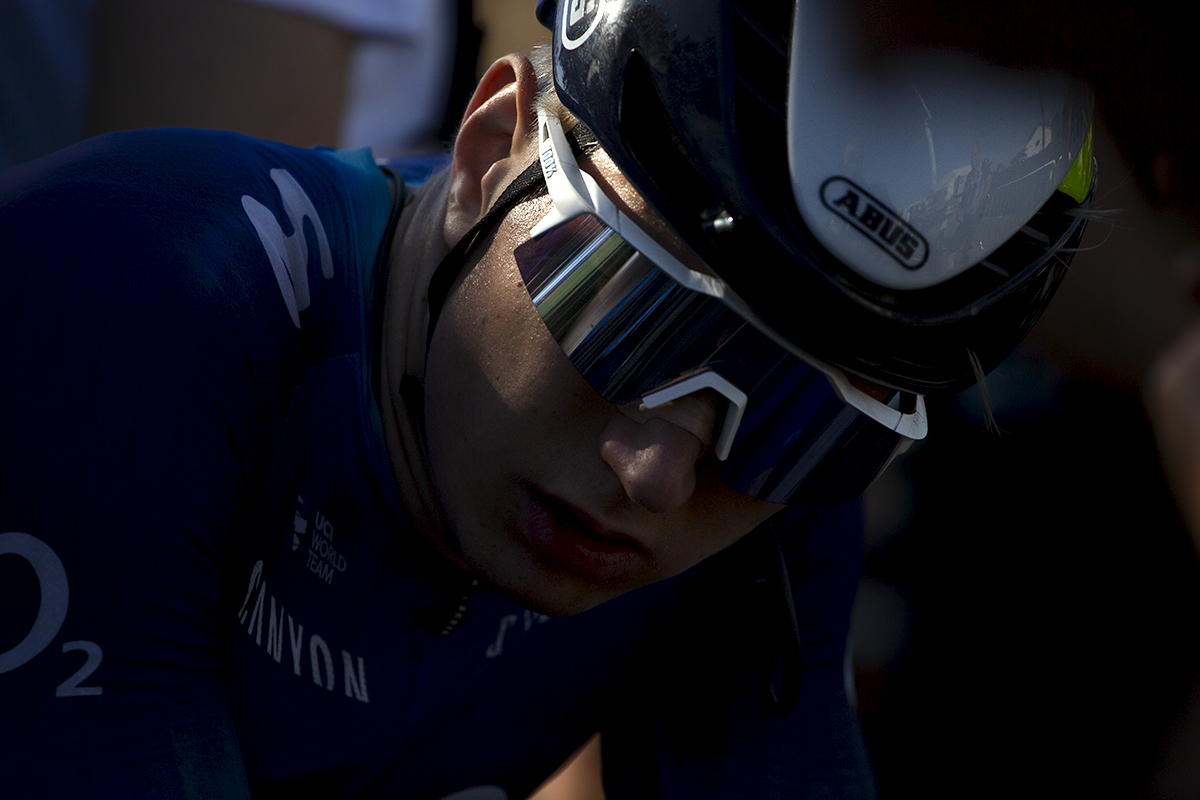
pixel 654 459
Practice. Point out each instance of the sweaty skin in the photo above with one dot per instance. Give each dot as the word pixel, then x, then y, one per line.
pixel 546 491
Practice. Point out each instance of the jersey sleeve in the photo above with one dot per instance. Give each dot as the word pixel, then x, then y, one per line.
pixel 700 729
pixel 149 352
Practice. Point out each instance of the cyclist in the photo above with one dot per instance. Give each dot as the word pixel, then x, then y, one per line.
pixel 316 478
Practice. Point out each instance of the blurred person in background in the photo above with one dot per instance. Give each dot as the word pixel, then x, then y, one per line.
pixel 393 75
pixel 45 60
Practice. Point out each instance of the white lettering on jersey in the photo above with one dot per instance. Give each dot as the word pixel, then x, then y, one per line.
pixel 255 577
pixel 52 613
pixel 296 636
pixel 323 558
pixel 299 524
pixel 320 656
pixel 497 647
pixel 510 621
pixel 70 687
pixel 316 643
pixel 356 684
pixel 256 619
pixel 532 617
pixel 275 633
pixel 289 254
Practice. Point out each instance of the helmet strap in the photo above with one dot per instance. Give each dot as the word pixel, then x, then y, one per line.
pixel 530 183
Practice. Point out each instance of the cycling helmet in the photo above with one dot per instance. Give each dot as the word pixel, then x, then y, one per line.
pixel 905 222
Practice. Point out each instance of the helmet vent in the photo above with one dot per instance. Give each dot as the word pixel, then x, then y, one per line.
pixel 761 45
pixel 651 139
pixel 761 36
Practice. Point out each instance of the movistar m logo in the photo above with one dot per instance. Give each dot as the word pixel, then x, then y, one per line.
pixel 876 221
pixel 289 254
pixel 580 21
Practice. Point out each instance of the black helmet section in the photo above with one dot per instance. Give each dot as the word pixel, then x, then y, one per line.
pixel 689 98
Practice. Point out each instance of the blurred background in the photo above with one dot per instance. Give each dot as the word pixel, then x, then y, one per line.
pixel 1027 622
pixel 391 74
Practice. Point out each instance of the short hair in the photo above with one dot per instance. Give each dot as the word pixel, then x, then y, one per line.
pixel 542 59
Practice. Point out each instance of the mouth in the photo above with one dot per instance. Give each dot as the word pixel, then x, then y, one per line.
pixel 571 540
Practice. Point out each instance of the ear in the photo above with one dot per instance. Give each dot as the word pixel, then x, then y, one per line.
pixel 496 141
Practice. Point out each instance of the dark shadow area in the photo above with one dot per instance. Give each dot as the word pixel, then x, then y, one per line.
pixel 1052 597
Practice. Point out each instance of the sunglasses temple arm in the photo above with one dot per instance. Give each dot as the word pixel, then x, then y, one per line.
pixel 572 191
pixel 914 425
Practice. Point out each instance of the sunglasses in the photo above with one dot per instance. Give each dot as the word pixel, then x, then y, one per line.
pixel 639 325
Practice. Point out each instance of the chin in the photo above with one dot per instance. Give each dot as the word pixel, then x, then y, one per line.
pixel 544 585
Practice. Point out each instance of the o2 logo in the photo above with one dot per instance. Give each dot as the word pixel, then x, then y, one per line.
pixel 52 612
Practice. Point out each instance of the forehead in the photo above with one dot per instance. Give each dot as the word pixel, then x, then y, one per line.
pixel 600 166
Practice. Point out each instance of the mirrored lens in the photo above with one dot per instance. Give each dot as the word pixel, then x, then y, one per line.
pixel 629 330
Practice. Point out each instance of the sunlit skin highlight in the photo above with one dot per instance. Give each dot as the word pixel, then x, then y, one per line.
pixel 550 493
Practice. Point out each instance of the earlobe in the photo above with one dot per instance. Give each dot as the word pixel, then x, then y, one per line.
pixel 496 141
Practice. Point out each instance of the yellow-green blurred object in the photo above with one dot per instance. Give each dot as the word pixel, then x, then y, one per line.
pixel 1078 181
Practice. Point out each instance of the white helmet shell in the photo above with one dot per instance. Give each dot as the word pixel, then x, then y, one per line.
pixel 912 170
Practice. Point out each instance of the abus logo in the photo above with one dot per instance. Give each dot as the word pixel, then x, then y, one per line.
pixel 580 21
pixel 876 221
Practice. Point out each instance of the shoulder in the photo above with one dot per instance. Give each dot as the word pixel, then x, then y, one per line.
pixel 172 179
pixel 197 216
pixel 132 262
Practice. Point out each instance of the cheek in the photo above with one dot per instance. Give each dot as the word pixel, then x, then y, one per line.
pixel 483 360
pixel 497 330
pixel 504 351
pixel 501 397
pixel 719 517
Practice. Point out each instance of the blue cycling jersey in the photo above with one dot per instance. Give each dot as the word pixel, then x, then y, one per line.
pixel 208 581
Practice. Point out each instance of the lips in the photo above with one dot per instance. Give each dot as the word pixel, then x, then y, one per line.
pixel 570 540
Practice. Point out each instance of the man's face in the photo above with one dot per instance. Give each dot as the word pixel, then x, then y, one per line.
pixel 552 494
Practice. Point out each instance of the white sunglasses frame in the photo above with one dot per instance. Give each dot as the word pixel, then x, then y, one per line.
pixel 573 192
